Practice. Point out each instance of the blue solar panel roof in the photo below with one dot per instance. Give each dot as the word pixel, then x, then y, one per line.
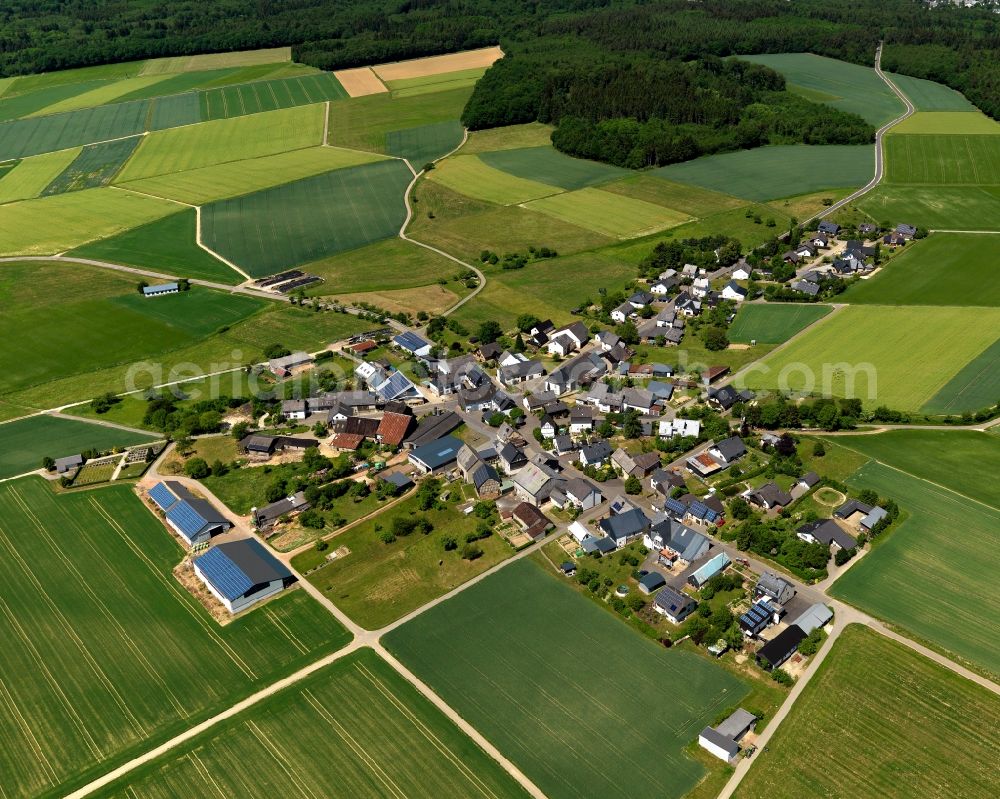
pixel 394 386
pixel 698 510
pixel 161 495
pixel 410 341
pixel 224 575
pixel 186 519
pixel 675 506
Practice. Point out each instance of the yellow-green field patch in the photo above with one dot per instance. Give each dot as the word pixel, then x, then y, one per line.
pixel 32 175
pixel 468 175
pixel 404 87
pixel 610 214
pixel 101 95
pixel 942 122
pixel 222 140
pixel 678 196
pixel 531 134
pixel 54 224
pixel 194 63
pixel 232 179
pixel 895 356
pixel 433 299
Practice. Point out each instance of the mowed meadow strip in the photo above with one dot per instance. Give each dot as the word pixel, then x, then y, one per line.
pixel 26 228
pixel 108 655
pixel 936 207
pixel 234 178
pixel 609 214
pixel 308 219
pixel 370 734
pixel 879 721
pixel 526 660
pixel 219 141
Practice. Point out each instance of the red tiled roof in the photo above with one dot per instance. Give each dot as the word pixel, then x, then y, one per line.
pixel 393 428
pixel 349 441
pixel 363 346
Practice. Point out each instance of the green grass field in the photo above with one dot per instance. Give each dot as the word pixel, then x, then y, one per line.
pixel 235 178
pixel 849 87
pixel 530 134
pixel 977 385
pixel 962 461
pixel 926 95
pixel 24 442
pixel 94 320
pixel 947 539
pixel 469 175
pixel 548 165
pixel 378 583
pixel 424 143
pixel 547 675
pixel 219 141
pixel 944 269
pixel 935 207
pixel 308 219
pixel 269 95
pixel 370 734
pixel 385 265
pixel 21 104
pixel 949 160
pixel 913 730
pixel 102 95
pixel 165 245
pixel 24 137
pixel 773 323
pixel 105 641
pixel 679 196
pixel 948 123
pixel 26 228
pixel 900 357
pixel 610 214
pixel 768 173
pixel 95 166
pixel 31 175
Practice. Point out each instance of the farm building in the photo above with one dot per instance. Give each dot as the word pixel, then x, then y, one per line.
pixel 160 289
pixel 264 518
pixel 652 582
pixel 708 570
pixel 294 409
pixel 262 447
pixel 780 648
pixel 723 740
pixel 531 520
pixel 284 365
pixel 673 604
pixel 413 344
pixel 195 520
pixel 436 455
pixel 398 479
pixel 814 616
pixel 393 427
pixel 486 481
pixel 240 573
pixel 63 465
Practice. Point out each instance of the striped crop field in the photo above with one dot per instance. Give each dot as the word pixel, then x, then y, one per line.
pixel 106 653
pixel 424 143
pixel 269 95
pixel 369 734
pixel 234 178
pixel 31 175
pixel 26 228
pixel 308 219
pixel 101 95
pixel 525 659
pixel 219 141
pixel 951 160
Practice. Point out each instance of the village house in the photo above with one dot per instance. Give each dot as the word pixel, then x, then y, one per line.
pixel 769 497
pixel 595 454
pixel 775 588
pixel 828 532
pixel 673 604
pixel 568 339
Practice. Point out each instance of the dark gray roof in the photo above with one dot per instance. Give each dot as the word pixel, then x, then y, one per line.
pixel 778 648
pixel 204 508
pixel 809 478
pixel 630 523
pixel 580 488
pixel 650 582
pixel 851 507
pixel 731 448
pixel 398 479
pixel 278 509
pixel 721 741
pixel 437 453
pixel 483 474
pixel 737 724
pixel 828 531
pixel 433 427
pixel 254 561
pixel 596 451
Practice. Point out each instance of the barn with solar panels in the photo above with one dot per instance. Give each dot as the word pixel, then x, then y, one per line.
pixel 193 519
pixel 240 573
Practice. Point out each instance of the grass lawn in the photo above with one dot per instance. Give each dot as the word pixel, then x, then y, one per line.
pixel 948 160
pixel 23 443
pixel 684 198
pixel 432 299
pixel 948 122
pixel 773 323
pixel 838 463
pixel 524 659
pixel 167 245
pixel 234 178
pixel 216 142
pixel 610 214
pixel 378 583
pixel 849 87
pixel 977 385
pixel 104 640
pixel 308 219
pixel 92 473
pixel 935 207
pixel 881 354
pixel 926 95
pixel 26 227
pixel 375 735
pixel 548 165
pixel 471 176
pixel 905 733
pixel 768 173
pixel 386 265
pixel 296 328
pixel 943 269
pixel 31 175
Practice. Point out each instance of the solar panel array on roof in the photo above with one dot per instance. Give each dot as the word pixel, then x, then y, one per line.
pixel 162 496
pixel 698 510
pixel 756 618
pixel 675 506
pixel 186 519
pixel 227 578
pixel 397 385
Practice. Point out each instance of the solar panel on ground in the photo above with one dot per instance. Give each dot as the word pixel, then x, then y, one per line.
pixel 298 283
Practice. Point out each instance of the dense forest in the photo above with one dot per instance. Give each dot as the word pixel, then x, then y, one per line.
pixel 615 75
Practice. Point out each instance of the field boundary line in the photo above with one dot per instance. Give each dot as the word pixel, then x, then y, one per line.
pixel 29 734
pixel 283 629
pixel 206 774
pixel 279 758
pixel 990 232
pixel 209 250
